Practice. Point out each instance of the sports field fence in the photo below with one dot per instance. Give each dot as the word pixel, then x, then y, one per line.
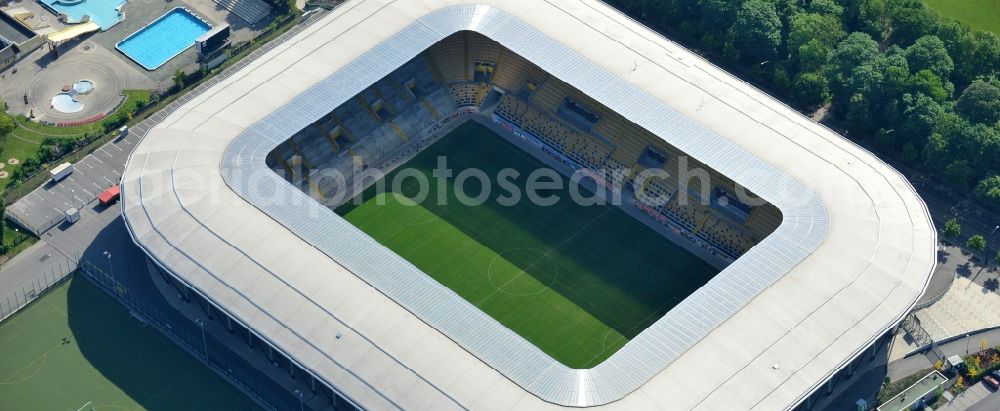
pixel 190 338
pixel 19 299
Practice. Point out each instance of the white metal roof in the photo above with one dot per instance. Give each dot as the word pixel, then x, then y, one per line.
pixel 852 255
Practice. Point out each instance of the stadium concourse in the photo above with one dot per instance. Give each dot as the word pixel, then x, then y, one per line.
pixel 815 280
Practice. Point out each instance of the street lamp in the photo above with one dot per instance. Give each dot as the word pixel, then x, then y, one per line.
pixel 204 342
pixel 989 239
pixel 302 407
pixel 111 267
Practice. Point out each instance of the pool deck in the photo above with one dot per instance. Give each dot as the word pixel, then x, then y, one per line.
pixel 40 76
pixel 50 6
pixel 178 9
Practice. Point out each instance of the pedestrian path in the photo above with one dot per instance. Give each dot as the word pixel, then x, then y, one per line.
pixel 964 308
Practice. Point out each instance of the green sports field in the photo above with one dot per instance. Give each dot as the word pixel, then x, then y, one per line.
pixel 978 14
pixel 76 345
pixel 577 281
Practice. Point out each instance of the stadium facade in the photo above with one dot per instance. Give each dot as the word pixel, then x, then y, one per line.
pixel 802 305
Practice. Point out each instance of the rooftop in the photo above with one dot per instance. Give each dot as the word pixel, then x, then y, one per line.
pixel 13 30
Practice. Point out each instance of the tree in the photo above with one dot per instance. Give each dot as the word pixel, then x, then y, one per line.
pixel 856 49
pixel 6 123
pixel 977 54
pixel 980 102
pixel 911 21
pixel 806 27
pixel 813 55
pixel 988 191
pixel 811 89
pixel 929 84
pixel 976 243
pixel 920 115
pixel 717 13
pixel 826 7
pixel 952 228
pixel 757 30
pixel 959 172
pixel 928 52
pixel 179 78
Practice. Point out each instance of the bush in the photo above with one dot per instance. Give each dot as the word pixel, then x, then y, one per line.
pixel 952 228
pixel 6 123
pixel 976 243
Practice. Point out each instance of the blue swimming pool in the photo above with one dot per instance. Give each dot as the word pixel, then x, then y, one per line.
pixel 105 13
pixel 164 38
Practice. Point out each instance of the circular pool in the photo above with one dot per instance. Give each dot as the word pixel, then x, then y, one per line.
pixel 65 103
pixel 83 87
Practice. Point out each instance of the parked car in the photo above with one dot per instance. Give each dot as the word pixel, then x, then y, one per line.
pixel 109 196
pixel 991 381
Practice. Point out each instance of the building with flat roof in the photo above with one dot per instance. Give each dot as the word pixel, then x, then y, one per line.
pixel 16 40
pixel 775 329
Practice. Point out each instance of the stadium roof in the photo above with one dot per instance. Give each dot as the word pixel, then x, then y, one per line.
pixel 854 251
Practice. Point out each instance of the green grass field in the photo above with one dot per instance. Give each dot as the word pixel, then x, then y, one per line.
pixel 577 281
pixel 978 14
pixel 76 345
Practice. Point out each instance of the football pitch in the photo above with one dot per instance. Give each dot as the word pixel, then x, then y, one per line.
pixel 76 346
pixel 577 281
pixel 979 14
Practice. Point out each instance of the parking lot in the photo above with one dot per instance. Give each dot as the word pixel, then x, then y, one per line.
pixel 45 207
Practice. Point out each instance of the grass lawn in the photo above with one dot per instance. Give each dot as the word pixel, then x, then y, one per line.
pixel 10 237
pixel 77 345
pixel 978 14
pixel 577 281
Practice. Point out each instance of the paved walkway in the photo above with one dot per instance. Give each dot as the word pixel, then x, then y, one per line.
pixel 961 346
pixel 968 399
pixel 949 259
pixel 967 306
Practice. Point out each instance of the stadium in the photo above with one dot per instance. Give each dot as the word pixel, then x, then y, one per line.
pixel 752 260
